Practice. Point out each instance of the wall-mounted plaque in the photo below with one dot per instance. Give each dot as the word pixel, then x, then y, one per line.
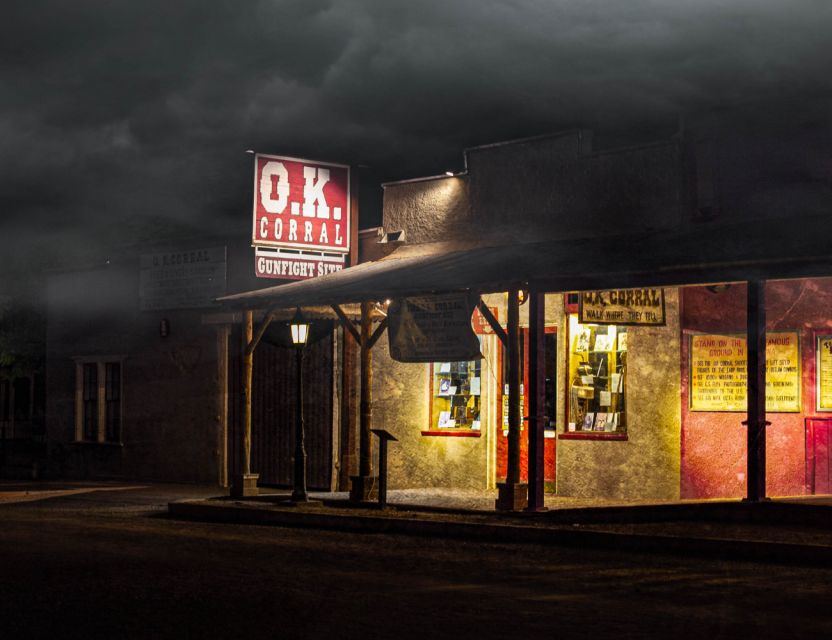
pixel 718 373
pixel 622 306
pixel 824 373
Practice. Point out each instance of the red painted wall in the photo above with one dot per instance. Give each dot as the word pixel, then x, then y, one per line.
pixel 713 461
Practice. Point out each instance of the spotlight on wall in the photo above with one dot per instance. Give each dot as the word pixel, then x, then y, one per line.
pixel 450 174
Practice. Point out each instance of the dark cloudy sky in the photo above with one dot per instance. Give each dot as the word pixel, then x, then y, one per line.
pixel 116 115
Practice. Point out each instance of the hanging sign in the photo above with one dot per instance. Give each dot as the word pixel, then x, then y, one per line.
pixel 301 208
pixel 622 306
pixel 824 373
pixel 480 324
pixel 718 376
pixel 432 329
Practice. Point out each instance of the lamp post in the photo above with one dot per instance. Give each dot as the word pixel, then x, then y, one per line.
pixel 300 334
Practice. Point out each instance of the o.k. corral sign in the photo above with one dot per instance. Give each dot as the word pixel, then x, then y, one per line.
pixel 622 306
pixel 301 225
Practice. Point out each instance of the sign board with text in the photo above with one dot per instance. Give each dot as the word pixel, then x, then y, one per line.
pixel 718 379
pixel 302 209
pixel 186 279
pixel 432 329
pixel 622 306
pixel 824 373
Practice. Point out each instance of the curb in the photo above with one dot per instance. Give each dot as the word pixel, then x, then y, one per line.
pixel 726 549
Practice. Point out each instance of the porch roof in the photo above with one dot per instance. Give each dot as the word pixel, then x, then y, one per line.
pixel 696 254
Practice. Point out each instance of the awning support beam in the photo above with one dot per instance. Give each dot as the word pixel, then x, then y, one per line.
pixel 346 323
pixel 492 321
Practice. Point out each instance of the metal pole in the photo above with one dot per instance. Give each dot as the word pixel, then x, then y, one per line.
pixel 537 399
pixel 756 372
pixel 513 472
pixel 299 493
pixel 222 405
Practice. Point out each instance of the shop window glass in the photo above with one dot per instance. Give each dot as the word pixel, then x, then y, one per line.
pixel 597 377
pixel 456 389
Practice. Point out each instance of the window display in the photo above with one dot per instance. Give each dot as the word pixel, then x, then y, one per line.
pixel 597 375
pixel 456 388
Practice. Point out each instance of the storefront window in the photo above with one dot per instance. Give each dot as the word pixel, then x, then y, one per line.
pixel 597 375
pixel 455 395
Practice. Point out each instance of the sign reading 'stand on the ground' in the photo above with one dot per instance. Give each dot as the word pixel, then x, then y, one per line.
pixel 301 209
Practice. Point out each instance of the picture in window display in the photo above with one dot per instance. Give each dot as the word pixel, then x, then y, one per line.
pixel 597 374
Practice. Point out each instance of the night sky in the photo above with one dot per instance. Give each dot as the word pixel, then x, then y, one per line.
pixel 118 118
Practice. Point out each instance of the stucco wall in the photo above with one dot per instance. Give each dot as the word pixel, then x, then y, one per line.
pixel 400 405
pixel 714 443
pixel 646 465
pixel 169 385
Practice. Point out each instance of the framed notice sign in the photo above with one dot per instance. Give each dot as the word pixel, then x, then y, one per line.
pixel 622 306
pixel 718 373
pixel 824 372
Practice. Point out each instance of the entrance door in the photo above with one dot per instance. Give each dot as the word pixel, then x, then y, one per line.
pixel 818 455
pixel 550 351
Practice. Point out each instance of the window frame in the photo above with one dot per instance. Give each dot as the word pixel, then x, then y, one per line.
pixel 103 399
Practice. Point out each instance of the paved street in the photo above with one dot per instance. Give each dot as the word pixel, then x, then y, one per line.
pixel 109 564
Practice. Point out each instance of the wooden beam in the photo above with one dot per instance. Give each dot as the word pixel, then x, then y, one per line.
pixel 365 452
pixel 346 323
pixel 492 321
pixel 261 330
pixel 514 376
pixel 756 371
pixel 248 365
pixel 377 333
pixel 537 399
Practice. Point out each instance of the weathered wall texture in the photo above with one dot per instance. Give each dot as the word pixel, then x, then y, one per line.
pixel 400 405
pixel 646 466
pixel 553 187
pixel 714 443
pixel 169 426
pixel 429 210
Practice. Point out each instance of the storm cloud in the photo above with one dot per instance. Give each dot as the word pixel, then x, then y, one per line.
pixel 116 116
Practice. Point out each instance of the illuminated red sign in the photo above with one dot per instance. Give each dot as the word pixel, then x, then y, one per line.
pixel 301 204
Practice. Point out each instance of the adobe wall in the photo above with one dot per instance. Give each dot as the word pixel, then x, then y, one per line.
pixel 169 423
pixel 646 465
pixel 714 443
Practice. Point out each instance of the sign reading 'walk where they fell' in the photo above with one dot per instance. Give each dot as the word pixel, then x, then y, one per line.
pixel 622 306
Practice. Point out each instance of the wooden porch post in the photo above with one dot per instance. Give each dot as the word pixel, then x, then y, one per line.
pixel 512 494
pixel 245 483
pixel 537 399
pixel 222 404
pixel 363 484
pixel 756 371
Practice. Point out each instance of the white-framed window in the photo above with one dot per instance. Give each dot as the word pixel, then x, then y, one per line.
pixel 98 398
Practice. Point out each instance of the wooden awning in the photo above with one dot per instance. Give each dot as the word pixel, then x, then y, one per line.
pixel 695 254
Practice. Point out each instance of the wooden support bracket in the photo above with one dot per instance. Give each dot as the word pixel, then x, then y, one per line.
pixel 495 325
pixel 377 334
pixel 261 330
pixel 347 323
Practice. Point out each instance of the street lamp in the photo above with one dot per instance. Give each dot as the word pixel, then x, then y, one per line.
pixel 300 334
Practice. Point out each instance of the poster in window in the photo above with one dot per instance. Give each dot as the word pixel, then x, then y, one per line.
pixel 718 372
pixel 824 373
